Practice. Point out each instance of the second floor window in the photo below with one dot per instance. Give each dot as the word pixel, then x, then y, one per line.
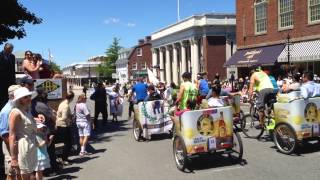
pixel 134 66
pixel 143 66
pixel 285 13
pixel 314 11
pixel 260 16
pixel 139 52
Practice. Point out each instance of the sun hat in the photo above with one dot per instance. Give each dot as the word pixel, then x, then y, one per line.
pixel 12 88
pixel 20 93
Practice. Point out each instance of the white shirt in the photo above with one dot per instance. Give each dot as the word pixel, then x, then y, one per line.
pixel 310 89
pixel 214 102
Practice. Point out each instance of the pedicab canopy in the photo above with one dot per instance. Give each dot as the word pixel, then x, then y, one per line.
pixel 303 115
pixel 263 55
pixel 206 130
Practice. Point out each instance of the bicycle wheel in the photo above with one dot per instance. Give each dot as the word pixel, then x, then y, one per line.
pixel 237 148
pixel 180 153
pixel 285 138
pixel 251 126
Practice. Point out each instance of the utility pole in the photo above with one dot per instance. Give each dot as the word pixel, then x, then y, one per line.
pixel 178 10
pixel 288 51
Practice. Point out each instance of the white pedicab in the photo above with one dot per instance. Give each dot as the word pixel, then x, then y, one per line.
pixel 296 120
pixel 151 117
pixel 205 131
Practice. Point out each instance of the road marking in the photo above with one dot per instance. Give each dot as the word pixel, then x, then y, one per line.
pixel 227 169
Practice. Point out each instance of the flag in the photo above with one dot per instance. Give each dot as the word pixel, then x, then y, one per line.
pixel 152 78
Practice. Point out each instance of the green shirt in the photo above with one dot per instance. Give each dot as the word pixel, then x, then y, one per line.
pixel 189 94
pixel 264 81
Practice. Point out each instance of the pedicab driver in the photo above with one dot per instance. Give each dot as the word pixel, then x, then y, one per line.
pixel 309 88
pixel 187 94
pixel 261 82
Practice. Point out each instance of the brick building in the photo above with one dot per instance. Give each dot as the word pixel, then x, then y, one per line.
pixel 140 59
pixel 265 28
pixel 200 43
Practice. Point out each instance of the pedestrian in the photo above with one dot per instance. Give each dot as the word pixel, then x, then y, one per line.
pixel 42 153
pixel 114 98
pixel 22 135
pixel 28 82
pixel 4 130
pixel 85 89
pixel 83 123
pixel 63 126
pixel 203 87
pixel 31 65
pixel 7 72
pixel 99 97
pixel 40 107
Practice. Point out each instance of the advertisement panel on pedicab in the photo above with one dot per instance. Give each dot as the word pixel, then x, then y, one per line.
pixel 207 130
pixel 302 114
pixel 154 117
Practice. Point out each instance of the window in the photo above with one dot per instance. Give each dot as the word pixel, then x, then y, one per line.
pixel 143 66
pixel 314 11
pixel 139 52
pixel 260 16
pixel 285 14
pixel 134 66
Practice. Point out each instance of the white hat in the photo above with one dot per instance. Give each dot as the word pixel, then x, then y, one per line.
pixel 12 88
pixel 20 93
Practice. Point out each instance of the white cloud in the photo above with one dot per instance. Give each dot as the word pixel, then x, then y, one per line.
pixel 117 21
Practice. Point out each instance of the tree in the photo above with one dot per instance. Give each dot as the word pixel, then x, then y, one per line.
pixel 13 17
pixel 55 67
pixel 109 66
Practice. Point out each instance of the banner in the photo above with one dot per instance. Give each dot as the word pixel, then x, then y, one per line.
pixel 302 114
pixel 152 78
pixel 52 86
pixel 206 130
pixel 154 118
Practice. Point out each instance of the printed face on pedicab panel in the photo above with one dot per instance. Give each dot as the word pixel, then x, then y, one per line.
pixel 311 112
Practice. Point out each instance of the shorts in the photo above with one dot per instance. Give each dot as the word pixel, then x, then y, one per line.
pixel 27 156
pixel 263 97
pixel 43 164
pixel 84 128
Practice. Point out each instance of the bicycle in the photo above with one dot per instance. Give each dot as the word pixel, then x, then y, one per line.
pixel 251 126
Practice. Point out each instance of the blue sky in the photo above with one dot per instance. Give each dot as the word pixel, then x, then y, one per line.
pixel 77 29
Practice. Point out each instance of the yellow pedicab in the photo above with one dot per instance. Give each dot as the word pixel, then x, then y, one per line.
pixel 151 117
pixel 296 120
pixel 203 132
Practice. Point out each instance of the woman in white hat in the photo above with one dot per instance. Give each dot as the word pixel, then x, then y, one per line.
pixel 22 134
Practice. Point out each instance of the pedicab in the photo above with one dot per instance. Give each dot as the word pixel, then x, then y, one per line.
pixel 205 131
pixel 296 120
pixel 150 118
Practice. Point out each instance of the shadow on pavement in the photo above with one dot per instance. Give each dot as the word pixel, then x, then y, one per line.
pixel 159 137
pixel 205 162
pixel 81 160
pixel 63 173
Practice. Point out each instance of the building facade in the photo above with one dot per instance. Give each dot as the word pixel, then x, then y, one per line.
pixel 122 65
pixel 201 43
pixel 140 59
pixel 290 27
pixel 83 72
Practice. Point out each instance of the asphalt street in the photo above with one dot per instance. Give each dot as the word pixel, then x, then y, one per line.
pixel 117 156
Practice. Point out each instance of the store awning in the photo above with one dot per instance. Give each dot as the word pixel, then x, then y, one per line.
pixel 301 52
pixel 264 55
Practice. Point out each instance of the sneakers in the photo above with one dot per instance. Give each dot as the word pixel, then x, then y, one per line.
pixel 84 153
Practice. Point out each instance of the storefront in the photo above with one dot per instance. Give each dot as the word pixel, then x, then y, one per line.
pixel 304 56
pixel 245 58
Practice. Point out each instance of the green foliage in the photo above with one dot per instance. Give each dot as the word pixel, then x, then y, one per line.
pixel 109 67
pixel 13 17
pixel 55 67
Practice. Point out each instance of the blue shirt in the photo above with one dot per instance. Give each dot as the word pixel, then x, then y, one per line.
pixel 310 89
pixel 274 83
pixel 4 119
pixel 141 91
pixel 203 87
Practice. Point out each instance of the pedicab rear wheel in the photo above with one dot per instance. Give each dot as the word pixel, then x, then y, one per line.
pixel 180 153
pixel 285 138
pixel 237 148
pixel 137 132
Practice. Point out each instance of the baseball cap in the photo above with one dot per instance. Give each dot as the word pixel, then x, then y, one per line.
pixel 26 80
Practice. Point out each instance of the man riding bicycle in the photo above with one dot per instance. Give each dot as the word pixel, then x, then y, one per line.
pixel 261 83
